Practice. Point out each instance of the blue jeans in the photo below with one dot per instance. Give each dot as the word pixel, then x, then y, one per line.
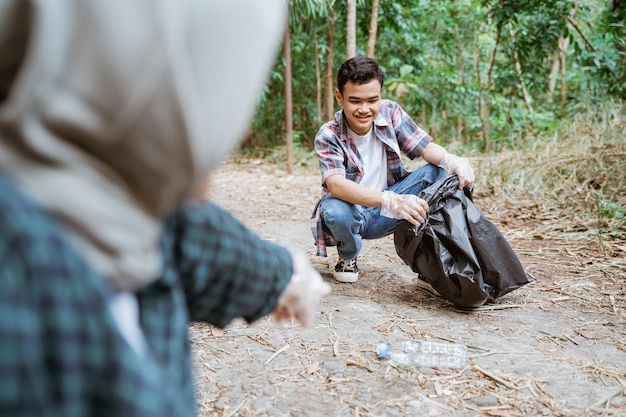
pixel 350 223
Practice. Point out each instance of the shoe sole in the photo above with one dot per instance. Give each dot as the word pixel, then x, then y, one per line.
pixel 427 287
pixel 346 276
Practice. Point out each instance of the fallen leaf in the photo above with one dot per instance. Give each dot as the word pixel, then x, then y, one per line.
pixel 313 368
pixel 359 365
pixel 502 413
pixel 558 299
pixel 262 340
pixel 588 334
pixel 357 354
pixel 383 329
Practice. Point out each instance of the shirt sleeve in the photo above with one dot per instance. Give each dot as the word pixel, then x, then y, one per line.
pixel 227 271
pixel 412 139
pixel 330 153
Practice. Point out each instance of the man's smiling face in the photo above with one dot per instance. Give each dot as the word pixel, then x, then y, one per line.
pixel 360 103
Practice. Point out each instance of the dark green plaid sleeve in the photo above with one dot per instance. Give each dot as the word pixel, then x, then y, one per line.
pixel 227 270
pixel 61 353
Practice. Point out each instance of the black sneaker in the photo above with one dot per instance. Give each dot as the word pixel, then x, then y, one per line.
pixel 346 270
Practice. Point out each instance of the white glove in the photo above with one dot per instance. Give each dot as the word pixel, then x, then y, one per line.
pixel 459 166
pixel 403 206
pixel 302 295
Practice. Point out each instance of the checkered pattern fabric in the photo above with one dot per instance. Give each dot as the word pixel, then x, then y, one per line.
pixel 338 155
pixel 61 354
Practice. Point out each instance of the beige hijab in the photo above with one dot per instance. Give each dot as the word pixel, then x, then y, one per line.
pixel 113 111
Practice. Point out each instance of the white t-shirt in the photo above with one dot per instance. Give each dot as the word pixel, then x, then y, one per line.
pixel 124 307
pixel 374 159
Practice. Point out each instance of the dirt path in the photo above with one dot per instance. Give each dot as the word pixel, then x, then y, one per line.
pixel 556 347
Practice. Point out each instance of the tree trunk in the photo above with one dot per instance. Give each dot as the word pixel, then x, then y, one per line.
pixel 318 84
pixel 559 63
pixel 288 99
pixel 487 108
pixel 371 40
pixel 553 75
pixel 483 111
pixel 563 44
pixel 330 70
pixel 351 29
pixel 520 75
pixel 484 119
pixel 460 82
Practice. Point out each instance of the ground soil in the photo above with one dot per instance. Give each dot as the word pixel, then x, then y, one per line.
pixel 556 347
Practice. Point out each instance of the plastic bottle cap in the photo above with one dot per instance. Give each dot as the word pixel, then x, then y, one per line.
pixel 382 351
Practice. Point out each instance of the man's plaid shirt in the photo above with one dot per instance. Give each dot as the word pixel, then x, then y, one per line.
pixel 338 155
pixel 61 354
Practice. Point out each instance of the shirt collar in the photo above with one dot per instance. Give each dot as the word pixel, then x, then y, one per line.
pixel 381 120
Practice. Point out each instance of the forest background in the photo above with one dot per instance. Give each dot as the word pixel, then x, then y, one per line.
pixel 533 90
pixel 534 93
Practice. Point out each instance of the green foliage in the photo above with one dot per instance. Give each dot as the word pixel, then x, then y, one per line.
pixel 612 210
pixel 603 56
pixel 428 50
pixel 307 23
pixel 576 175
pixel 302 10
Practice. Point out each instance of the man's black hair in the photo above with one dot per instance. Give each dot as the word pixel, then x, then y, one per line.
pixel 359 70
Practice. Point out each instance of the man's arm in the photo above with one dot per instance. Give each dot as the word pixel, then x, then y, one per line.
pixel 437 155
pixel 398 206
pixel 351 192
pixel 433 153
pixel 346 190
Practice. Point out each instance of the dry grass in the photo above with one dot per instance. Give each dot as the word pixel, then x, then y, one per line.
pixel 576 177
pixel 559 340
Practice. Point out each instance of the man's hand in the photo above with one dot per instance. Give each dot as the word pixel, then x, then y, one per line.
pixel 459 166
pixel 302 295
pixel 403 206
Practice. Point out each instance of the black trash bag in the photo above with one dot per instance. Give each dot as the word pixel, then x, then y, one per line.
pixel 457 250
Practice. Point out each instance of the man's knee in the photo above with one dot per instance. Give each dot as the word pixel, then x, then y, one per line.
pixel 433 171
pixel 430 174
pixel 333 209
pixel 439 173
pixel 337 214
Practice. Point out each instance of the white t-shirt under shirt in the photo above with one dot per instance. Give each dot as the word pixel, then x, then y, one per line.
pixel 374 159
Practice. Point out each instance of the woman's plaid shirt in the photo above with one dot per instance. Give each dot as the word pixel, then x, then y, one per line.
pixel 61 353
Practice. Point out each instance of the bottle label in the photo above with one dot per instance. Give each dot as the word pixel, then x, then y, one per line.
pixel 425 353
pixel 440 361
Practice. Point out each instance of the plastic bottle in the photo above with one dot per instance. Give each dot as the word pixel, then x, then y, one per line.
pixel 406 353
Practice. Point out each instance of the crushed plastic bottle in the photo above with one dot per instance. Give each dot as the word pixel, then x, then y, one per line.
pixel 407 353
